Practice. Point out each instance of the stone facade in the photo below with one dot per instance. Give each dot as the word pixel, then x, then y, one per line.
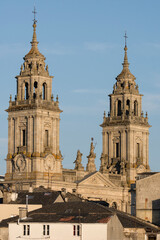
pixel 148 197
pixel 34 158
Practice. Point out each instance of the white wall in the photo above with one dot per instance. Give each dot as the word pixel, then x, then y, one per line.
pixel 59 231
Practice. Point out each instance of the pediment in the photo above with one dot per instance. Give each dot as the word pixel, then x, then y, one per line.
pixel 141 169
pixel 96 179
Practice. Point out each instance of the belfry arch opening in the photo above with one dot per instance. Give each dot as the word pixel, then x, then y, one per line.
pixel 35 89
pixel 135 108
pixel 119 108
pixel 26 91
pixel 44 91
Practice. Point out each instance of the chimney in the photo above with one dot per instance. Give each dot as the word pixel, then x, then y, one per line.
pixel 22 212
pixel 63 191
pixel 30 189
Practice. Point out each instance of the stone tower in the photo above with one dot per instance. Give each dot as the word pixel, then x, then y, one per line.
pixel 33 156
pixel 126 129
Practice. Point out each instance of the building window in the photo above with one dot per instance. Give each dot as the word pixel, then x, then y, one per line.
pixel 46 138
pixel 119 108
pixel 24 137
pixel 138 150
pixel 26 230
pixel 76 230
pixel 46 230
pixel 117 150
pixel 151 237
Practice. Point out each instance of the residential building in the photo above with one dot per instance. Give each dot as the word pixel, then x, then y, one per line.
pixel 77 220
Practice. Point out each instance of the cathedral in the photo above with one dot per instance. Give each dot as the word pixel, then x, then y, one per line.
pixel 34 157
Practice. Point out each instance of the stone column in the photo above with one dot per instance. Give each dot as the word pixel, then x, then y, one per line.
pixel 147 147
pixel 32 134
pixel 144 147
pixel 57 135
pixel 103 140
pixel 42 135
pixel 126 145
pixel 32 86
pixel 110 147
pixel 10 135
pixel 51 135
pixel 36 135
pixel 16 134
pixel 54 136
pixel 23 89
pixel 29 134
pixel 129 146
pixel 106 140
pixel 123 145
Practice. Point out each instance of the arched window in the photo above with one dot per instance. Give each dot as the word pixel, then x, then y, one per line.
pixel 46 138
pixel 135 108
pixel 119 108
pixel 138 150
pixel 35 89
pixel 127 106
pixel 44 91
pixel 117 150
pixel 23 137
pixel 26 91
pixel 114 205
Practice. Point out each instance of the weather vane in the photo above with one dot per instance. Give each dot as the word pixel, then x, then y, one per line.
pixel 125 36
pixel 34 12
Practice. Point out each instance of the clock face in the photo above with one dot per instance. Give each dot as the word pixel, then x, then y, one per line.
pixel 19 162
pixel 49 163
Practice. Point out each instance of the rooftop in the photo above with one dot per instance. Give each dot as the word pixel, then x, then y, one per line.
pixel 84 212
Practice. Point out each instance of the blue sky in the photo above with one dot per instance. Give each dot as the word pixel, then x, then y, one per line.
pixel 83 43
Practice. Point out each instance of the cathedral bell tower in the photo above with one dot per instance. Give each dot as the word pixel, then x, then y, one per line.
pixel 33 156
pixel 125 129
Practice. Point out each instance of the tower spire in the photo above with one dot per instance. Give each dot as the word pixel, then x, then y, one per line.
pixel 34 52
pixel 34 42
pixel 125 63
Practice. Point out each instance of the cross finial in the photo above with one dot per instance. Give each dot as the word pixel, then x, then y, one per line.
pixel 125 36
pixel 34 12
